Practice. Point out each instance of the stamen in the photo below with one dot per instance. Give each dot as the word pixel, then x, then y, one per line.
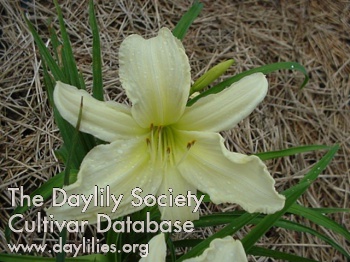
pixel 167 157
pixel 152 139
pixel 149 147
pixel 189 145
pixel 159 147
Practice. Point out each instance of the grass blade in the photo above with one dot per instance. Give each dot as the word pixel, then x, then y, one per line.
pixel 65 127
pixel 319 219
pixel 330 210
pixel 225 218
pixel 67 57
pixel 74 146
pixel 186 20
pixel 55 43
pixel 290 151
pixel 61 256
pixel 263 69
pixel 45 54
pixel 66 130
pixel 259 251
pixel 97 87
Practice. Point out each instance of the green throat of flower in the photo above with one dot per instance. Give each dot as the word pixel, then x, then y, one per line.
pixel 165 147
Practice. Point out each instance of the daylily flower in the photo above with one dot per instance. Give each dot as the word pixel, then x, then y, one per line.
pixel 158 143
pixel 220 249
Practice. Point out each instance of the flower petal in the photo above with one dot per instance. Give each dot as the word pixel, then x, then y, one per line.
pixel 222 249
pixel 156 76
pixel 107 121
pixel 178 186
pixel 228 177
pixel 157 250
pixel 122 165
pixel 224 110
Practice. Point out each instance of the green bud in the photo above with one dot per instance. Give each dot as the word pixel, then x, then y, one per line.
pixel 210 76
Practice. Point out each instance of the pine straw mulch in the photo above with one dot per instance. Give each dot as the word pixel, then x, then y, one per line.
pixel 254 33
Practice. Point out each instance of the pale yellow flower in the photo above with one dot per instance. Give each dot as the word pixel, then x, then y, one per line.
pixel 220 249
pixel 158 143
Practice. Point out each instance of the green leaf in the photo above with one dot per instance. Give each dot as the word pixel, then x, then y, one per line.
pixel 62 154
pixel 225 218
pixel 97 87
pixel 61 256
pixel 186 20
pixel 263 252
pixel 210 76
pixel 54 41
pixel 66 129
pixel 187 242
pixel 319 219
pixel 45 53
pixel 292 194
pixel 67 53
pixel 320 166
pixel 86 142
pixel 73 147
pixel 170 247
pixel 301 228
pixel 112 237
pixel 48 84
pixel 290 151
pixel 329 210
pixel 263 69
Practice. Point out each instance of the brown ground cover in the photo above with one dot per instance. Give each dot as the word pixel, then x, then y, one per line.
pixel 253 33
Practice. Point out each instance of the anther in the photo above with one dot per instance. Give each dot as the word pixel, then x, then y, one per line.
pixel 190 144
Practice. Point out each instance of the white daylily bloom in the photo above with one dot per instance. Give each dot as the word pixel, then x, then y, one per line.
pixel 220 249
pixel 157 249
pixel 158 143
